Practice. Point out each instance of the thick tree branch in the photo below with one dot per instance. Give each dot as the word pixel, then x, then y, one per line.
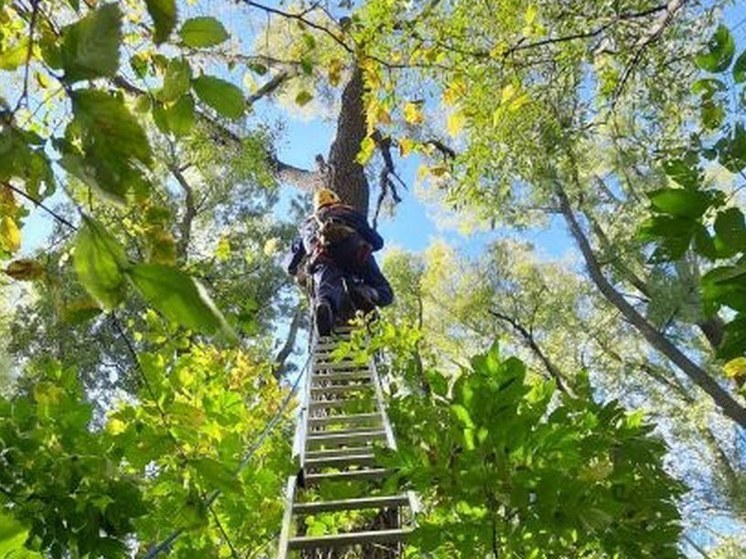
pixel 529 339
pixel 730 407
pixel 302 178
pixel 617 262
pixel 270 87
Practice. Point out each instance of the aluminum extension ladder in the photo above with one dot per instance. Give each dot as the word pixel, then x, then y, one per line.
pixel 342 416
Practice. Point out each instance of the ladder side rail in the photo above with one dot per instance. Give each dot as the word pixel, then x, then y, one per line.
pixel 287 518
pixel 302 431
pixel 299 440
pixel 390 440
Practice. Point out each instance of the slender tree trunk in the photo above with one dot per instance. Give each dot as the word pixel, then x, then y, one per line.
pixel 727 403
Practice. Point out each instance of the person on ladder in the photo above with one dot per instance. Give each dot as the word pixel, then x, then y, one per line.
pixel 338 244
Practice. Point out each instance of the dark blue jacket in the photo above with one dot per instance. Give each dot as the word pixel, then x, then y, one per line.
pixel 305 243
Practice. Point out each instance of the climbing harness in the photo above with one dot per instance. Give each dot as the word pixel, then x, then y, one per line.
pixel 342 416
pixel 334 236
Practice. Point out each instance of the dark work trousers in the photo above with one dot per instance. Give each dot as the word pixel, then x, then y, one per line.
pixel 329 273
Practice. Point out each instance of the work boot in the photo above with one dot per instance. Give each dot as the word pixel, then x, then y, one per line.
pixel 364 297
pixel 324 318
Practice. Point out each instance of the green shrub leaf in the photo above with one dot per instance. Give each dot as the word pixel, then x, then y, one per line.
pixel 163 13
pixel 221 95
pixel 91 46
pixel 178 297
pixel 719 51
pixel 201 32
pixel 99 261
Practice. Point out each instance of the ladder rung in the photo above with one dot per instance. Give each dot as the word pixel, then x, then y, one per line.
pixel 347 365
pixel 352 475
pixel 335 337
pixel 349 451
pixel 349 538
pixel 332 438
pixel 342 432
pixel 340 461
pixel 314 405
pixel 351 419
pixel 383 502
pixel 340 388
pixel 356 375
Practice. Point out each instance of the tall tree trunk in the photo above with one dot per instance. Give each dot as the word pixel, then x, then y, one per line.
pixel 347 176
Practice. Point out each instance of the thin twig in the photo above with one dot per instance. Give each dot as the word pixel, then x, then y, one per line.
pixel 29 52
pixel 301 17
pixel 234 552
pixel 40 205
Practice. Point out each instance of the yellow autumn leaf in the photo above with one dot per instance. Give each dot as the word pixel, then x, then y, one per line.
pixel 455 123
pixel 422 172
pixel 383 116
pixel 10 235
pixel 512 98
pixel 412 113
pixel 271 246
pixel 530 15
pixel 24 269
pixel 405 146
pixel 116 427
pixel 438 170
pixel 455 91
pixel 335 71
pixel 367 148
pixel 735 368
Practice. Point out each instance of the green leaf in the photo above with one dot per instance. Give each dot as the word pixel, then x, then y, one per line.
pixel 680 202
pixel 163 13
pixel 113 144
pixel 217 475
pixel 462 414
pixel 731 229
pixel 12 535
pixel 707 87
pixel 91 46
pixel 178 297
pixel 176 118
pixel 719 51
pixel 257 68
pixel 684 171
pixel 732 150
pixel 739 68
pixel 221 95
pixel 734 339
pixel 713 115
pixel 180 115
pixel 303 98
pixel 703 242
pixel 99 261
pixel 203 32
pixel 13 57
pixel 177 80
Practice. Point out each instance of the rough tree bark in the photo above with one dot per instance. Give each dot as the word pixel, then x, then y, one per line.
pixel 347 176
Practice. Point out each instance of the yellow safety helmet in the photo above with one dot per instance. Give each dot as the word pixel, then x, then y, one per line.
pixel 324 197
